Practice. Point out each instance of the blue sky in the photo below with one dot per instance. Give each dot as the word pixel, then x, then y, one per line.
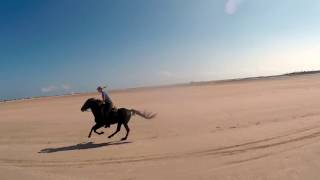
pixel 61 46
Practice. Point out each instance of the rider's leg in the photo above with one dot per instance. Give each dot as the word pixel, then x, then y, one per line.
pixel 107 110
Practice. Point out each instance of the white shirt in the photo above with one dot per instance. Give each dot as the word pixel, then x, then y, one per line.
pixel 105 97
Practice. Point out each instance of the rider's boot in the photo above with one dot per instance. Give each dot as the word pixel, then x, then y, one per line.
pixel 107 125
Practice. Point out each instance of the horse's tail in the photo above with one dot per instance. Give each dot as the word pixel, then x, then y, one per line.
pixel 146 115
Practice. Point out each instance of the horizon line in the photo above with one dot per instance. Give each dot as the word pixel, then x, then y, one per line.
pixel 191 83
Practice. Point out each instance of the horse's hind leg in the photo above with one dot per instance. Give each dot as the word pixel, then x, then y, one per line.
pixel 128 130
pixel 118 129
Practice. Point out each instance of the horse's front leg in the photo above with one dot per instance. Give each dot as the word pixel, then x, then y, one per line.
pixel 90 132
pixel 94 128
pixel 98 126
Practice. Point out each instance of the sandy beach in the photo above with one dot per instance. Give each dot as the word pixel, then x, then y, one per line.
pixel 266 129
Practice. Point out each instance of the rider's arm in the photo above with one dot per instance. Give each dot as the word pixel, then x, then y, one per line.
pixel 103 96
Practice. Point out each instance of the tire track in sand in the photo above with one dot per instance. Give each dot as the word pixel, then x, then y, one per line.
pixel 263 144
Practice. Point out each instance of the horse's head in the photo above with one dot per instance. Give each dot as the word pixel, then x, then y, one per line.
pixel 88 104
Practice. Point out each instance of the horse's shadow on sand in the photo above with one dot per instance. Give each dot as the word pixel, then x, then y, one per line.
pixel 82 146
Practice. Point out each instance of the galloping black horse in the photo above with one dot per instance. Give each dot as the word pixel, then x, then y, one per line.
pixel 119 116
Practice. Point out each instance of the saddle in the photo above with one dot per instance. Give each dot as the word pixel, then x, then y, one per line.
pixel 111 114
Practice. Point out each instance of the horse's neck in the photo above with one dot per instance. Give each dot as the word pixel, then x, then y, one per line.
pixel 96 111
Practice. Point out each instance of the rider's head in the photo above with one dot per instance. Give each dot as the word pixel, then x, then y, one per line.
pixel 99 89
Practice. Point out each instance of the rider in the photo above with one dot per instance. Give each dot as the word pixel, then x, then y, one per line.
pixel 107 104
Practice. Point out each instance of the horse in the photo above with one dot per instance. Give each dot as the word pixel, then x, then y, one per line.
pixel 119 116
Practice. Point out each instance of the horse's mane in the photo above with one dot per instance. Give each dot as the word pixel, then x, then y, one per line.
pixel 98 101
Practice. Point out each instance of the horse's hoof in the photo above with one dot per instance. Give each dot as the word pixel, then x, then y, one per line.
pixel 123 139
pixel 101 133
pixel 109 137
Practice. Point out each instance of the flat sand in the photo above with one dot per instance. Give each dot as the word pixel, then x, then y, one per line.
pixel 260 130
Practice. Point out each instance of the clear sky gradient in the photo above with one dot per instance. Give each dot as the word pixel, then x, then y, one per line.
pixel 61 46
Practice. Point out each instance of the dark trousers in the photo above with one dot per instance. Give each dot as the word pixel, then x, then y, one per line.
pixel 107 108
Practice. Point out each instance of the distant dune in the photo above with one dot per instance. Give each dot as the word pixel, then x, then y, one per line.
pixel 300 73
pixel 257 78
